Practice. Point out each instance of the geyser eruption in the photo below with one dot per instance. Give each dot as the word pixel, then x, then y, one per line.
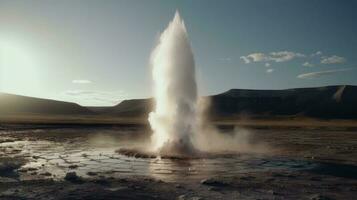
pixel 175 90
pixel 179 123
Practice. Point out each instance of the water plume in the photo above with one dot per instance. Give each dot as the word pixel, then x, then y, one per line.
pixel 175 90
pixel 178 121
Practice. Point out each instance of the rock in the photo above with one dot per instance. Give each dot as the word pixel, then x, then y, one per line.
pixel 46 174
pixel 181 197
pixel 31 169
pixel 247 178
pixel 213 182
pixel 6 140
pixel 272 192
pixel 114 189
pixel 72 177
pixel 159 181
pixel 92 173
pixel 204 181
pixel 16 151
pixel 269 179
pixel 22 170
pixel 319 197
pixel 9 192
pixel 102 182
pixel 137 187
pixel 7 180
pixel 73 166
pixel 9 164
pixel 184 197
pixel 315 178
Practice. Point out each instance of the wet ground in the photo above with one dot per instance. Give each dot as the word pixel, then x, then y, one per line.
pixel 82 163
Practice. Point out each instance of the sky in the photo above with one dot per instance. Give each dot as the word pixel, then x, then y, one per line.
pixel 96 53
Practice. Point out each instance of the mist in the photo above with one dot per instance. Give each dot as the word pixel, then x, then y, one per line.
pixel 175 90
pixel 179 121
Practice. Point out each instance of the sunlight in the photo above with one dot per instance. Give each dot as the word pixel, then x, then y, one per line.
pixel 18 67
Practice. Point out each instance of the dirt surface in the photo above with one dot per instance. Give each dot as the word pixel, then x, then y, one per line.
pixel 70 163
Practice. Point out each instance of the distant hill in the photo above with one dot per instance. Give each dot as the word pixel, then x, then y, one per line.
pixel 320 102
pixel 16 104
pixel 129 108
pixel 330 102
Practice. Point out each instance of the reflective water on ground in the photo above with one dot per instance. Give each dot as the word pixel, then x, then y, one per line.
pixel 91 153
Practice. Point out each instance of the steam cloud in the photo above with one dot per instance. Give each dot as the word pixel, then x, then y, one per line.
pixel 174 120
pixel 178 122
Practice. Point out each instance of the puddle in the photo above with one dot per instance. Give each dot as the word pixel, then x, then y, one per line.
pixel 54 155
pixel 338 170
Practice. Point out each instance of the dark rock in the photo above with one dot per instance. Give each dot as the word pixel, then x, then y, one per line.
pixel 72 177
pixel 9 165
pixel 22 170
pixel 92 173
pixel 73 166
pixel 319 197
pixel 272 192
pixel 247 178
pixel 315 178
pixel 213 182
pixel 46 174
pixel 102 182
pixel 31 169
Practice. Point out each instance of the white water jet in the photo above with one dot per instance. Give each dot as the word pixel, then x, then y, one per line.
pixel 175 90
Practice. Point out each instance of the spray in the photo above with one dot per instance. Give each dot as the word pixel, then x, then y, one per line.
pixel 178 121
pixel 175 90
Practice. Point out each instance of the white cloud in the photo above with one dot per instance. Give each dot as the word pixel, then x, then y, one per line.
pixel 258 57
pixel 307 64
pixel 94 98
pixel 245 59
pixel 312 75
pixel 81 81
pixel 317 53
pixel 283 56
pixel 267 64
pixel 270 71
pixel 333 60
pixel 254 57
pixel 280 56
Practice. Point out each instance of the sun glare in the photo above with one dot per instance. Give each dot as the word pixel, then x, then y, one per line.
pixel 18 67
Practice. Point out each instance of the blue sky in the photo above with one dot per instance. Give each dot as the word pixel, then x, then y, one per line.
pixel 97 52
